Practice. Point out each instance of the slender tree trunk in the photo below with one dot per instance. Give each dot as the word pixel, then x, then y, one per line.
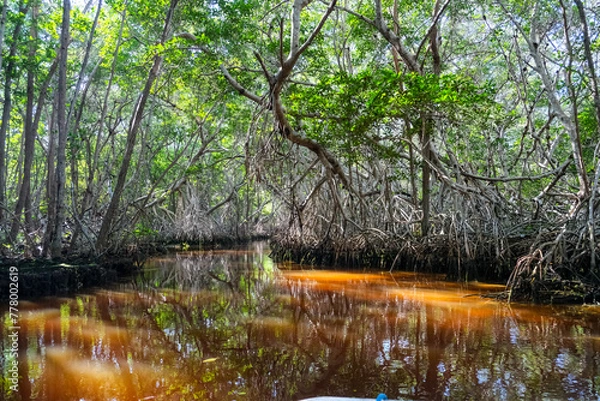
pixel 73 161
pixel 54 233
pixel 596 94
pixel 75 124
pixel 73 103
pixel 411 170
pixel 84 64
pixel 134 125
pixel 589 59
pixel 426 172
pixel 428 126
pixel 7 106
pixel 2 27
pixel 412 64
pixel 51 174
pixel 94 155
pixel 36 123
pixel 29 130
pixel 551 92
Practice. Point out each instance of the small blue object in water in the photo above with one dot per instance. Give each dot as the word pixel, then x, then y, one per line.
pixel 380 397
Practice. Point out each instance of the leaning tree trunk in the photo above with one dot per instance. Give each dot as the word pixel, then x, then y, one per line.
pixel 74 123
pixel 134 126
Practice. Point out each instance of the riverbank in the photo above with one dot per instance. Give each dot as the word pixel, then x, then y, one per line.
pixel 41 277
pixel 44 277
pixel 482 262
pixel 485 259
pixel 423 255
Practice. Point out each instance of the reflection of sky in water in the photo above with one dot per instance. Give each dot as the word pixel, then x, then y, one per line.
pixel 230 325
pixel 514 334
pixel 561 361
pixel 483 375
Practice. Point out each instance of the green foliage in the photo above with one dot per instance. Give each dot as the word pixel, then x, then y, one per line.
pixel 488 107
pixel 589 133
pixel 142 231
pixel 346 110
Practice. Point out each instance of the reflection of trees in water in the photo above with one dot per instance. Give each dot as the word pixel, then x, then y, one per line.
pixel 227 325
pixel 420 349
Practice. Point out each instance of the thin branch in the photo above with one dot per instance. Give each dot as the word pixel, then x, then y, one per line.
pixel 394 40
pixel 281 41
pixel 295 30
pixel 227 200
pixel 237 86
pixel 436 18
pixel 264 68
pixel 317 29
pixel 273 9
pixel 357 15
pixel 517 178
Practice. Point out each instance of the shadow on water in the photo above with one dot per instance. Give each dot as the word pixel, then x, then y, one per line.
pixel 232 325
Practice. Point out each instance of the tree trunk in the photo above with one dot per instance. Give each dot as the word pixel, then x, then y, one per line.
pixel 51 174
pixel 134 125
pixel 93 159
pixel 2 27
pixel 29 131
pixel 7 107
pixel 53 241
pixel 84 64
pixel 426 173
pixel 74 165
pixel 590 60
pixel 75 124
pixel 428 126
pixel 412 64
pixel 551 91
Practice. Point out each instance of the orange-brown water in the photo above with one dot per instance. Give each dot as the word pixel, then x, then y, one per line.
pixel 232 325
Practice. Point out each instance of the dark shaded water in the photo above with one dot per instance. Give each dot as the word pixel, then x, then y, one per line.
pixel 231 325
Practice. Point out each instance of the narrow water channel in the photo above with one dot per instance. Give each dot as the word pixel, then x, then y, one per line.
pixel 232 325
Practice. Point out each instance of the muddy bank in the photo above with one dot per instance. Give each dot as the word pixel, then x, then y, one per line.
pixel 39 278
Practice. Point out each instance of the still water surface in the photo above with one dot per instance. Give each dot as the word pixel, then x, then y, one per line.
pixel 232 325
